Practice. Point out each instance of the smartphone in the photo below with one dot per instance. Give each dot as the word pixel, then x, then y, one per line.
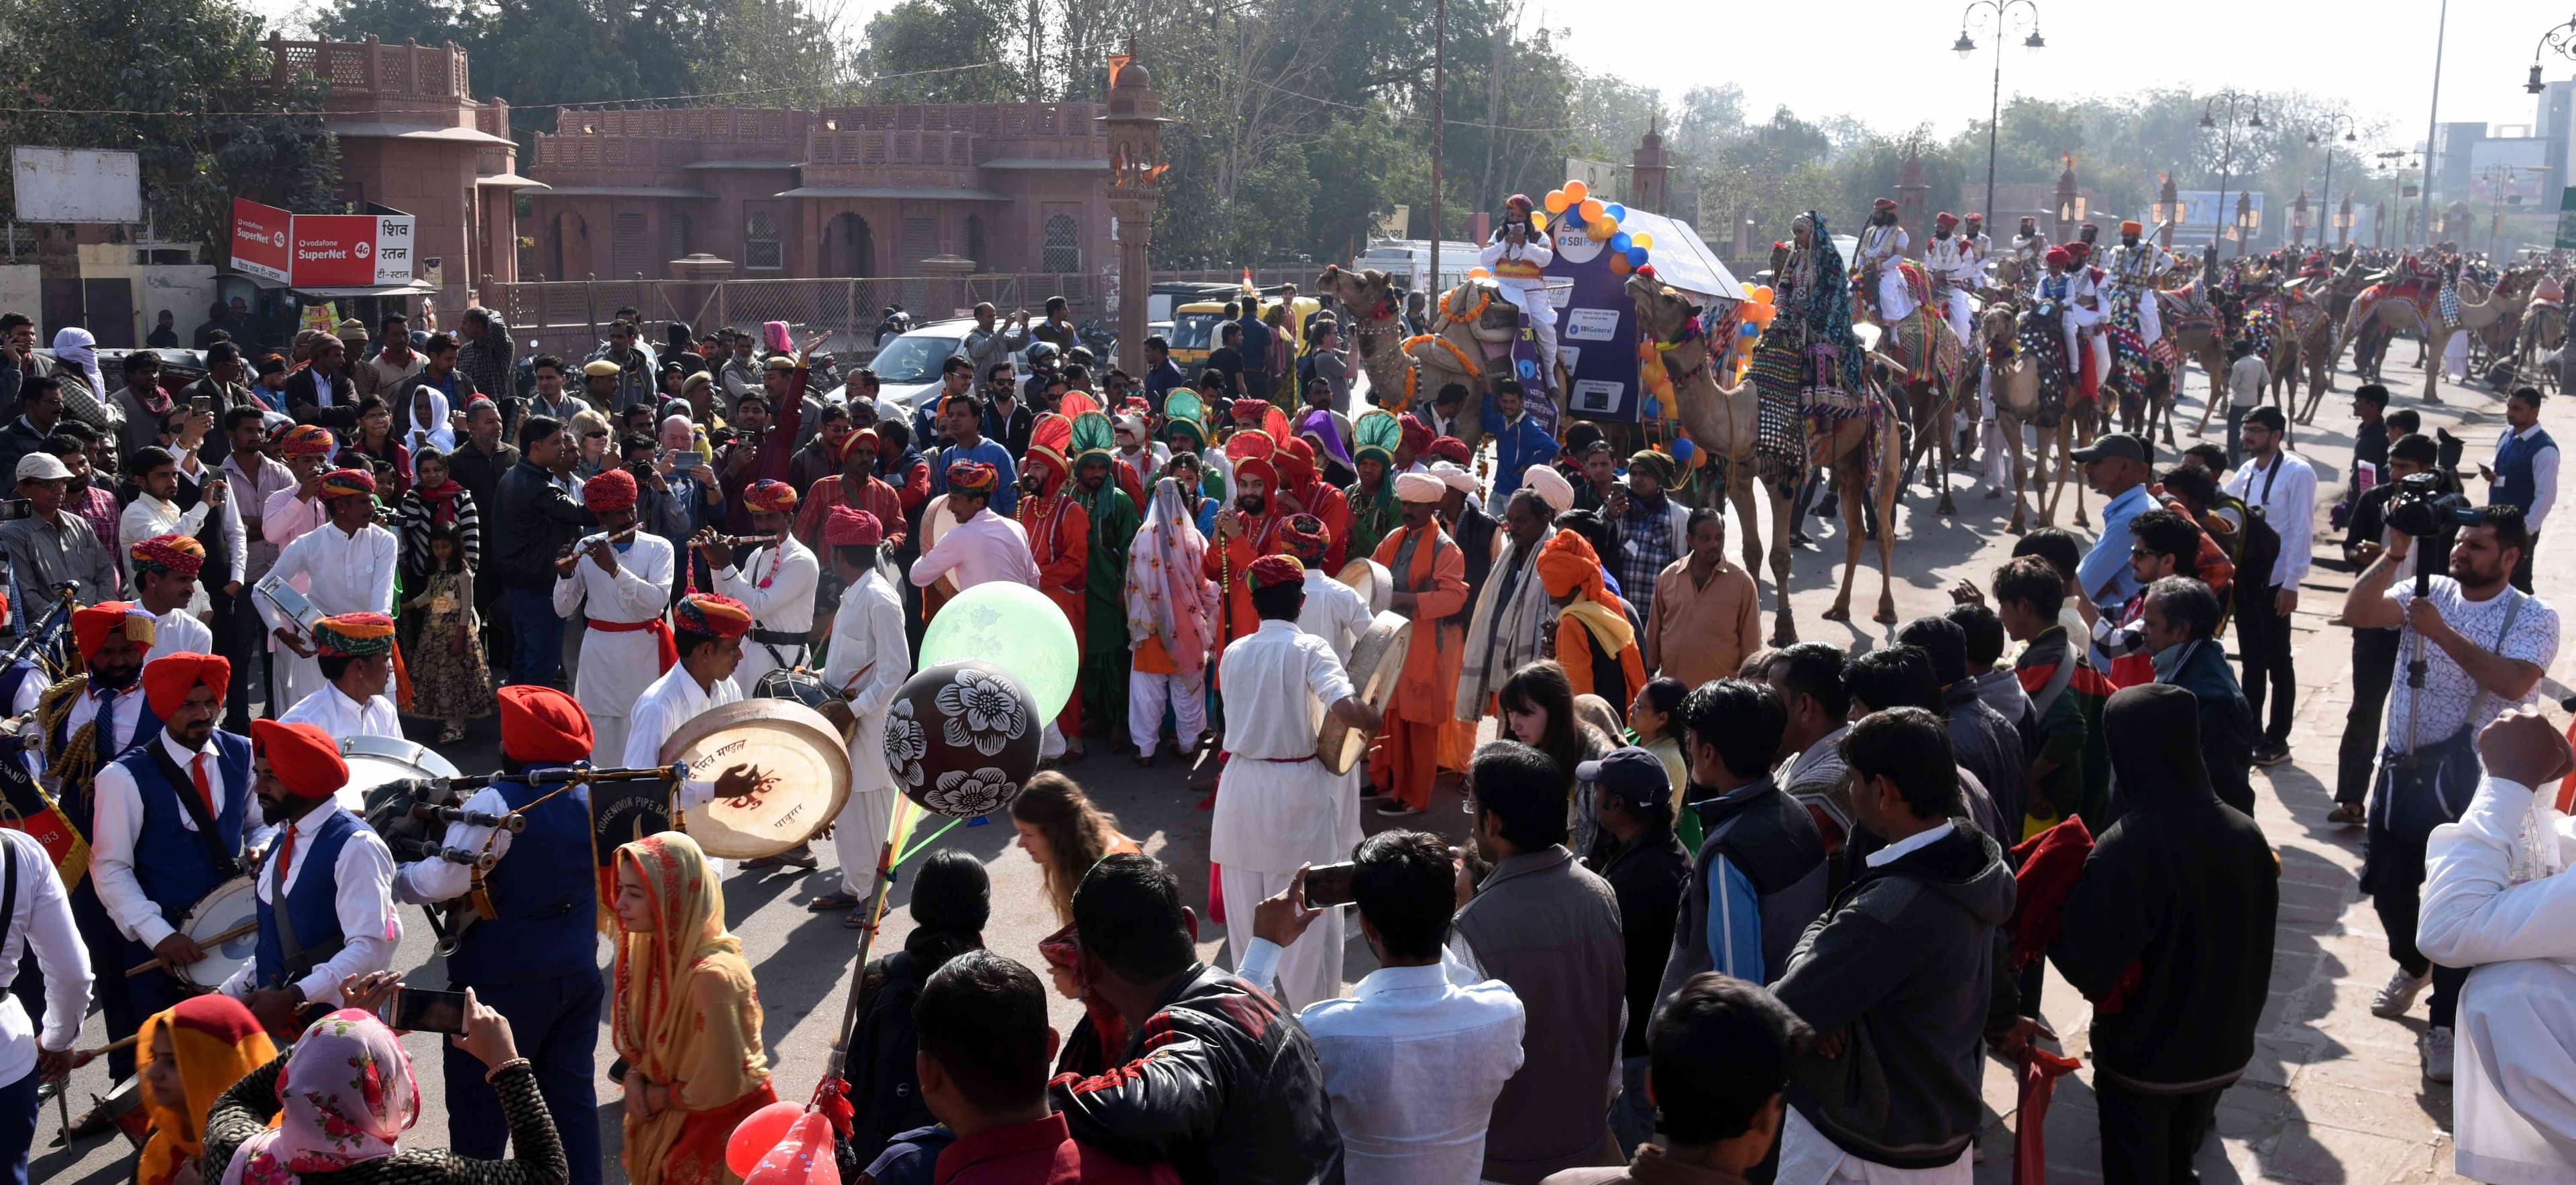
pixel 13 509
pixel 1328 885
pixel 425 1010
pixel 687 459
pixel 203 405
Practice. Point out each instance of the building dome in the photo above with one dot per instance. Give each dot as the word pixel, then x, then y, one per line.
pixel 1132 76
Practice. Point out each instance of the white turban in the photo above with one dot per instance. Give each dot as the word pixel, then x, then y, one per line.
pixel 1454 477
pixel 1419 487
pixel 1552 487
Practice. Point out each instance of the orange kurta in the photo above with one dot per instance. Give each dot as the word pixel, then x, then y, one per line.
pixel 1226 562
pixel 1334 508
pixel 1574 643
pixel 1060 541
pixel 1417 722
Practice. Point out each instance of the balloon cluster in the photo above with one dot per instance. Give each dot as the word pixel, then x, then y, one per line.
pixel 783 1144
pixel 1601 220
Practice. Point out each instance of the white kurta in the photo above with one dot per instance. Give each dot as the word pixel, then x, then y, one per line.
pixel 2136 269
pixel 340 573
pixel 179 632
pixel 147 516
pixel 331 710
pixel 1335 613
pixel 1953 265
pixel 868 660
pixel 669 701
pixel 1520 271
pixel 616 666
pixel 777 585
pixel 1275 802
pixel 1881 249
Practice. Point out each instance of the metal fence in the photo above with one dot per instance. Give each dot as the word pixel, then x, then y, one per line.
pixel 849 308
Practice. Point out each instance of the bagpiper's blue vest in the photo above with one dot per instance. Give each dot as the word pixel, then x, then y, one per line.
pixel 2514 483
pixel 75 800
pixel 313 903
pixel 171 861
pixel 545 891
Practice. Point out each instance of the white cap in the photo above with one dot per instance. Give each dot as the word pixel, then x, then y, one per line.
pixel 43 467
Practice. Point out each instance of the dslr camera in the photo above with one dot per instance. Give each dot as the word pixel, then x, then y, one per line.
pixel 2424 505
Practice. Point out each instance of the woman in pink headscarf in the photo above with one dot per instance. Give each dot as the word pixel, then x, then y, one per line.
pixel 1171 616
pixel 347 1095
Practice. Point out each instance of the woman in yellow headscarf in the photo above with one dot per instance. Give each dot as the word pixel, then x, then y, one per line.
pixel 687 1016
pixel 192 1053
pixel 1594 641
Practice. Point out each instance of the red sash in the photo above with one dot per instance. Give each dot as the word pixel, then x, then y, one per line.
pixel 667 651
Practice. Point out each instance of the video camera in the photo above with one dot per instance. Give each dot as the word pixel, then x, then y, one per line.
pixel 2425 504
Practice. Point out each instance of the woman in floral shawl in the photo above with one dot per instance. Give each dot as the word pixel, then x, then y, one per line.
pixel 1171 616
pixel 687 1016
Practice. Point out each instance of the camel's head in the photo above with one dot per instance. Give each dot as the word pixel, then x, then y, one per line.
pixel 1663 314
pixel 1998 323
pixel 1368 292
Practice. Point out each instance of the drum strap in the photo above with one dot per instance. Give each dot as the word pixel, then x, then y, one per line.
pixel 227 864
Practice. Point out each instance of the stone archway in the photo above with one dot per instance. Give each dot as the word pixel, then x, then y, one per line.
pixel 857 245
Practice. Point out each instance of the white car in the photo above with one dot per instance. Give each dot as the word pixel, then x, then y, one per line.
pixel 908 367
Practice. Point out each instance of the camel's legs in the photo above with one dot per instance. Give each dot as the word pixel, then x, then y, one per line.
pixel 1851 513
pixel 1784 494
pixel 2012 442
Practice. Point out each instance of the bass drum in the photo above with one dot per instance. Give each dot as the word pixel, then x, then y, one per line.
pixel 795 685
pixel 374 761
pixel 1376 662
pixel 805 768
pixel 225 924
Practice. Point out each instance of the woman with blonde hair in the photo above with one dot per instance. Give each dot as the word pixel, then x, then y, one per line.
pixel 686 1018
pixel 1065 834
pixel 590 435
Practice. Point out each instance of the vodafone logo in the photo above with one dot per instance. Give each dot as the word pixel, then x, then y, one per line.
pixel 362 249
pixel 277 238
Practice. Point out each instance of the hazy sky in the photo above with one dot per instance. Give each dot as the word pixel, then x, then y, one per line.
pixel 1889 61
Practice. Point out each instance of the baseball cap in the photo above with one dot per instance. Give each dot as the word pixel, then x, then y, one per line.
pixel 42 467
pixel 1632 773
pixel 2117 444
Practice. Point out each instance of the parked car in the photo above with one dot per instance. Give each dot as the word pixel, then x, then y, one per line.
pixel 908 367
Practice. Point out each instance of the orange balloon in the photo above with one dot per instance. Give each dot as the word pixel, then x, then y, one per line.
pixel 1578 191
pixel 1591 209
pixel 1619 265
pixel 1557 201
pixel 1760 293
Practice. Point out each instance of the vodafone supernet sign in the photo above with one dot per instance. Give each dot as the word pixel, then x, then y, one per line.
pixel 323 250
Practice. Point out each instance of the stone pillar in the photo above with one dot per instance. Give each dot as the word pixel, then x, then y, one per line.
pixel 2067 214
pixel 2169 203
pixel 698 275
pixel 1910 191
pixel 1136 168
pixel 2299 221
pixel 1649 170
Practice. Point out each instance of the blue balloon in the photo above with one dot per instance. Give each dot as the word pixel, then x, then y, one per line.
pixel 1617 212
pixel 1748 329
pixel 1620 243
pixel 1636 256
pixel 1528 369
pixel 1682 449
pixel 1654 407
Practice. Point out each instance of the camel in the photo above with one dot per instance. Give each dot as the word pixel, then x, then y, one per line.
pixel 2015 381
pixel 1377 324
pixel 1470 343
pixel 2494 340
pixel 1932 389
pixel 1725 421
pixel 2416 314
pixel 2544 328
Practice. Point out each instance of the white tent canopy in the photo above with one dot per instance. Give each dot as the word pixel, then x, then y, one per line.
pixel 1681 259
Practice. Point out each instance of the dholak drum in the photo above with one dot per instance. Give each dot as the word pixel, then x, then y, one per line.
pixel 231 906
pixel 1371 581
pixel 795 685
pixel 374 761
pixel 1375 663
pixel 124 1101
pixel 805 768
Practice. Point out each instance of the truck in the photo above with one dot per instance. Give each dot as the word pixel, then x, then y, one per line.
pixel 1409 262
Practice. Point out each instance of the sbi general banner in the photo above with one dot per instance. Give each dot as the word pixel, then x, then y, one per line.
pixel 1596 327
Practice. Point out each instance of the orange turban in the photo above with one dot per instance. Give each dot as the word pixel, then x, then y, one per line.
pixel 93 624
pixel 1568 563
pixel 543 726
pixel 712 613
pixel 354 635
pixel 1276 569
pixel 769 496
pixel 168 553
pixel 305 440
pixel 348 483
pixel 303 757
pixel 167 680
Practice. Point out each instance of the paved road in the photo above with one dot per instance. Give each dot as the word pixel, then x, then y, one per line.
pixel 2334 1095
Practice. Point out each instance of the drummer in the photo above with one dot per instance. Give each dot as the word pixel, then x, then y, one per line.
pixel 173 816
pixel 349 561
pixel 356 654
pixel 165 579
pixel 1334 611
pixel 776 582
pixel 867 662
pixel 536 961
pixel 1431 587
pixel 333 872
pixel 709 637
pixel 620 579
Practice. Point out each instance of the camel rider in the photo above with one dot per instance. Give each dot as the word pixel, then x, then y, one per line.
pixel 1882 247
pixel 1518 257
pixel 2136 268
pixel 2083 314
pixel 1981 247
pixel 1951 264
pixel 2089 235
pixel 2028 249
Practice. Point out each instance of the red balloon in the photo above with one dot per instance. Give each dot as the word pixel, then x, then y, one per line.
pixel 758 1132
pixel 803 1158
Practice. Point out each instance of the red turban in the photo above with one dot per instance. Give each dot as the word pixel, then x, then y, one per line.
pixel 972 478
pixel 1248 408
pixel 167 680
pixel 1417 435
pixel 348 483
pixel 1883 205
pixel 2078 249
pixel 1306 536
pixel 168 553
pixel 92 625
pixel 849 526
pixel 2058 256
pixel 1450 449
pixel 302 757
pixel 1260 468
pixel 712 613
pixel 1945 218
pixel 540 725
pixel 305 440
pixel 769 496
pixel 1296 461
pixel 864 438
pixel 613 489
pixel 1518 201
pixel 1276 569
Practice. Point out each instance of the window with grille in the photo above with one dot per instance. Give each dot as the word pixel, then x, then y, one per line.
pixel 679 236
pixel 627 246
pixel 1063 252
pixel 760 250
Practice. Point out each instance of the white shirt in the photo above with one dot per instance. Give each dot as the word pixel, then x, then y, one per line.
pixel 252 488
pixel 1278 681
pixel 424 881
pixel 1333 612
pixel 147 516
pixel 2544 478
pixel 179 632
pixel 869 658
pixel 791 572
pixel 236 541
pixel 616 666
pixel 1413 1059
pixel 341 717
pixel 363 875
pixel 345 573
pixel 2452 700
pixel 43 920
pixel 2289 505
pixel 2246 378
pixel 672 700
pixel 118 804
pixel 1908 845
pixel 985 547
pixel 1951 257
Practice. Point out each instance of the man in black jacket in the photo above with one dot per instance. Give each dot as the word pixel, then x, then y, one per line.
pixel 1902 975
pixel 2374 651
pixel 1647 867
pixel 2169 933
pixel 1210 1075
pixel 535 519
pixel 2180 622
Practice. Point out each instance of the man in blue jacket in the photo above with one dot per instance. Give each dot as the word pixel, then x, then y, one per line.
pixel 1760 873
pixel 1518 440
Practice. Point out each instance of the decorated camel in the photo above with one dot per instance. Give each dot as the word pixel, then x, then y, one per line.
pixel 1726 423
pixel 1377 325
pixel 1470 343
pixel 2388 309
pixel 2493 341
pixel 1927 363
pixel 2014 376
pixel 2544 331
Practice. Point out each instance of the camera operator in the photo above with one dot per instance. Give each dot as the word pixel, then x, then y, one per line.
pixel 2471 646
pixel 2281 487
pixel 2374 649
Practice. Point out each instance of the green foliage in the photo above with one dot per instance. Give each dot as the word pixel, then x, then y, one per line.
pixel 907 42
pixel 168 55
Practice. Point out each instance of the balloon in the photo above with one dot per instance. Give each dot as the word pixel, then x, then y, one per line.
pixel 1577 190
pixel 1478 273
pixel 1015 628
pixel 1760 293
pixel 1643 239
pixel 1619 242
pixel 758 1132
pixel 1619 265
pixel 1557 201
pixel 1654 408
pixel 1617 212
pixel 1591 209
pixel 1636 255
pixel 803 1158
pixel 1748 329
pixel 961 737
pixel 1682 449
pixel 1647 271
pixel 1601 231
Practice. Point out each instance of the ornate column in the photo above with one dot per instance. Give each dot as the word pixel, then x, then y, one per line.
pixel 2168 211
pixel 1136 168
pixel 1649 170
pixel 2070 204
pixel 1910 191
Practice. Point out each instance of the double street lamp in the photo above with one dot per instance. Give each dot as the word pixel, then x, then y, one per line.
pixel 2002 13
pixel 2209 118
pixel 2325 197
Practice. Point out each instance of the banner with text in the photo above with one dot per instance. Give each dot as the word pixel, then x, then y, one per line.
pixel 352 250
pixel 260 236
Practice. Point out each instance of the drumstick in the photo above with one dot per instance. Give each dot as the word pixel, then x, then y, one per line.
pixel 83 1057
pixel 156 963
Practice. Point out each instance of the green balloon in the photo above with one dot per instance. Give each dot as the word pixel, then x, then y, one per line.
pixel 1014 627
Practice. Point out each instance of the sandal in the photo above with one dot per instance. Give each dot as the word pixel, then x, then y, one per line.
pixel 2346 814
pixel 450 735
pixel 832 901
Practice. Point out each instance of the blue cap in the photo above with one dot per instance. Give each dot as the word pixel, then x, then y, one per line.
pixel 1630 772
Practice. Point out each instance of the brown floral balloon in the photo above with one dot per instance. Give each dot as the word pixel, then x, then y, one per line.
pixel 961 738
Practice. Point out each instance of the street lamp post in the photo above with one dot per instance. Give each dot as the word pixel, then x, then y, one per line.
pixel 2325 196
pixel 2499 177
pixel 2392 162
pixel 2560 40
pixel 2226 158
pixel 1969 17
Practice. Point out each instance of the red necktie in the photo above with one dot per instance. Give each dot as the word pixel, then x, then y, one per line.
pixel 285 852
pixel 197 774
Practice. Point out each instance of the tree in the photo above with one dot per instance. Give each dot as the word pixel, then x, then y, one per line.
pixel 939 51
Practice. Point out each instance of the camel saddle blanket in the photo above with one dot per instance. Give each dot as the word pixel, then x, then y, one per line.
pixel 1929 355
pixel 1826 413
pixel 1780 438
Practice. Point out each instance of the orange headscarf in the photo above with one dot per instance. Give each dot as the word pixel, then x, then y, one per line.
pixel 1568 563
pixel 216 1043
pixel 685 1016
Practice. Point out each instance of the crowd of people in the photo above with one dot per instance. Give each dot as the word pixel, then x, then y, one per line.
pixel 1724 911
